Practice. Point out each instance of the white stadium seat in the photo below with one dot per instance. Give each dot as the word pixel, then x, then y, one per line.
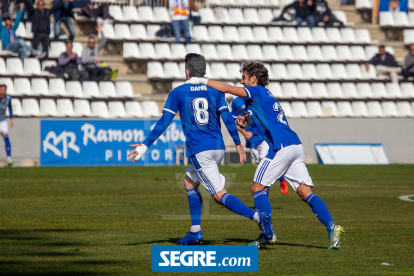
pixel 279 71
pixel 155 70
pixel 304 90
pixel 161 14
pixel 78 48
pixel 233 70
pixel 47 107
pixel 124 89
pixel 245 34
pixel 290 35
pixel 334 90
pixel 334 35
pixel 407 90
pixel 254 52
pixel 340 14
pixel 319 90
pixel 17 107
pixel 200 33
pixel 343 52
pixel 360 109
pixel 408 36
pixel 329 109
pixel 260 34
pixel 250 16
pixel 235 16
pixel 393 90
pixel 82 108
pixel 358 53
pixel 353 71
pixel 130 50
pixel 364 90
pixel 339 72
pixel 129 13
pixel 275 34
pixel 162 51
pixel 30 107
pixel 207 15
pixel 74 89
pixel 224 52
pixel 193 48
pixel 400 19
pixel 289 90
pixel 363 36
pixel 299 110
pixel 57 87
pixel 133 109
pixel 64 108
pixel 116 12
pixel 56 48
pixel 265 15
pixel 145 13
pixel 116 109
pixel 22 86
pixel 108 31
pixel 299 53
pixel 314 109
pixel 389 109
pixel 107 89
pixel 90 89
pixel 122 31
pixel 285 52
pixel 386 19
pixel 215 33
pixel 276 89
pixel 378 91
pixel 218 70
pixel 348 35
pixel 40 86
pixel 329 53
pixel 14 66
pixel 294 71
pixel 151 30
pixel 171 70
pixel 349 90
pixel 138 32
pixel 287 109
pixel 305 34
pixel 231 34
pixel 239 51
pixel 374 109
pixel 344 109
pixel 150 109
pixel 209 51
pixel 319 35
pixel 315 53
pixel 178 51
pixel 404 109
pixel 270 52
pixel 32 66
pixel 99 109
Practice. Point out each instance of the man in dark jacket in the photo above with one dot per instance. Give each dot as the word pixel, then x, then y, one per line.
pixel 69 62
pixel 323 14
pixel 409 63
pixel 303 9
pixel 385 64
pixel 63 15
pixel 41 22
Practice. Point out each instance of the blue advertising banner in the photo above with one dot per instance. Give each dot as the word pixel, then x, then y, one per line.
pixel 393 5
pixel 199 258
pixel 105 142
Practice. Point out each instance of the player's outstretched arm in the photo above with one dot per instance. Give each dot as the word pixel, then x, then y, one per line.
pixel 158 129
pixel 219 86
pixel 232 128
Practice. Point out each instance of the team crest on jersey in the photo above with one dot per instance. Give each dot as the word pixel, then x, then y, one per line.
pixel 277 107
pixel 199 88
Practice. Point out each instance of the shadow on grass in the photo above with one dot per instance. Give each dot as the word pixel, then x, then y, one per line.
pixel 269 247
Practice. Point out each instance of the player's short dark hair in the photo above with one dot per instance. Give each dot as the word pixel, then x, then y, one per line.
pixel 257 69
pixel 7 18
pixel 3 85
pixel 381 46
pixel 196 64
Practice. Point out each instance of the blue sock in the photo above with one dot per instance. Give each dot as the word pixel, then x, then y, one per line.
pixel 7 144
pixel 261 202
pixel 234 204
pixel 281 178
pixel 321 211
pixel 195 201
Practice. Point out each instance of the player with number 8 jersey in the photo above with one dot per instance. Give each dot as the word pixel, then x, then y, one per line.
pixel 200 109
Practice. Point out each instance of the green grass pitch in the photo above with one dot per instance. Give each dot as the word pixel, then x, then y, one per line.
pixel 104 220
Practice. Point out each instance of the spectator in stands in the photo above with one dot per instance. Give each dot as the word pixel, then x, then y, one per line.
pixel 98 13
pixel 10 40
pixel 385 64
pixel 63 15
pixel 180 17
pixel 323 14
pixel 41 23
pixel 7 8
pixel 303 12
pixel 69 62
pixel 90 58
pixel 409 63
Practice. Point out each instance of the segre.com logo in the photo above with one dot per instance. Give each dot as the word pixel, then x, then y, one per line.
pixel 218 258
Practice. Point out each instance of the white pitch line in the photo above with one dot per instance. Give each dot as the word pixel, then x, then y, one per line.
pixel 406 198
pixel 363 186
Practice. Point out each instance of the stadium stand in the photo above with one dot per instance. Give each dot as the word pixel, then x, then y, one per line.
pixel 316 73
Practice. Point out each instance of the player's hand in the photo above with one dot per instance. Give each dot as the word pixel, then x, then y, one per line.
pixel 241 152
pixel 248 135
pixel 367 66
pixel 22 6
pixel 195 81
pixel 139 151
pixel 243 121
pixel 11 122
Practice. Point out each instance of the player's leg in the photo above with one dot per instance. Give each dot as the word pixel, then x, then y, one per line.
pixel 4 132
pixel 270 169
pixel 208 173
pixel 298 177
pixel 195 200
